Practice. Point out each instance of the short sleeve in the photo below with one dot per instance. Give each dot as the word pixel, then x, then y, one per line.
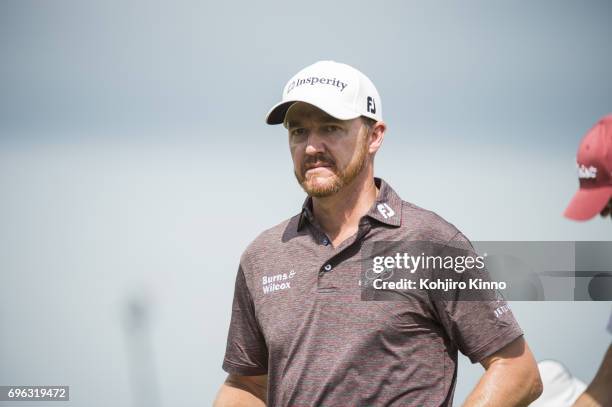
pixel 246 353
pixel 479 326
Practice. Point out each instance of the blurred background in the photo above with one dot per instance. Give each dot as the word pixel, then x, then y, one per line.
pixel 135 166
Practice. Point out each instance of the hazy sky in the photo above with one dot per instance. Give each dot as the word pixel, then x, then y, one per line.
pixel 135 162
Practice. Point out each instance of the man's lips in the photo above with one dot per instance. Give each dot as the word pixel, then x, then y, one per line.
pixel 317 165
pixel 316 168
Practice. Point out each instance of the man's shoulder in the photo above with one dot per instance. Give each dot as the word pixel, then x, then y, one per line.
pixel 271 240
pixel 424 224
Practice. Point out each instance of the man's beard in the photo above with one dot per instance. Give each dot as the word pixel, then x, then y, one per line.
pixel 340 179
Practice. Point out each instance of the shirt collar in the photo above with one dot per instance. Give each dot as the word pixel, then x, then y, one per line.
pixel 387 209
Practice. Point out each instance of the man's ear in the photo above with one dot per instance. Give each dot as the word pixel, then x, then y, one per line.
pixel 376 136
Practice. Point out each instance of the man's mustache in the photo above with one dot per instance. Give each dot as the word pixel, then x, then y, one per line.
pixel 317 161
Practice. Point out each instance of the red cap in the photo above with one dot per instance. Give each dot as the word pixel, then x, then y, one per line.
pixel 594 162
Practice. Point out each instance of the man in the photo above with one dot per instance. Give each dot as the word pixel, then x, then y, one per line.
pixel 594 161
pixel 300 333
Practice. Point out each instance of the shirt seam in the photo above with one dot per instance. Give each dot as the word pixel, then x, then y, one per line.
pixel 481 347
pixel 252 301
pixel 241 366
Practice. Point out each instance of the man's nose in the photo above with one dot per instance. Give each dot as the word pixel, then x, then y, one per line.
pixel 314 143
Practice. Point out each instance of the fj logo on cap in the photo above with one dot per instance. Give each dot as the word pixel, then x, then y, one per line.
pixel 371 105
pixel 385 210
pixel 587 172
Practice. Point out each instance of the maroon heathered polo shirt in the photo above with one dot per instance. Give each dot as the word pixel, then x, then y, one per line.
pixel 298 316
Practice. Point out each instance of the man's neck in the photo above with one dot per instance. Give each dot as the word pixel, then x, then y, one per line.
pixel 339 214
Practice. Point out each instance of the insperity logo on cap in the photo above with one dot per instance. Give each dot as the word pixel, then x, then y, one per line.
pixel 338 89
pixel 594 162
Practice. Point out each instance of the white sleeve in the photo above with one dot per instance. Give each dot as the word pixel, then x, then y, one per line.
pixel 561 389
pixel 610 324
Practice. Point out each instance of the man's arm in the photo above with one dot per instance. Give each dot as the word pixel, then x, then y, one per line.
pixel 511 378
pixel 242 391
pixel 599 392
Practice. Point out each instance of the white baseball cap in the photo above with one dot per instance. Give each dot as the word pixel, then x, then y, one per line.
pixel 338 89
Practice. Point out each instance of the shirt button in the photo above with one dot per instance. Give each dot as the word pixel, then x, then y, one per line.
pixel 327 267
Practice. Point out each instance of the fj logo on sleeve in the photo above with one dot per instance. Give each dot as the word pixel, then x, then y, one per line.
pixel 385 210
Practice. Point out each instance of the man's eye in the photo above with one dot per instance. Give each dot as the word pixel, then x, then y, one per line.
pixel 298 132
pixel 330 128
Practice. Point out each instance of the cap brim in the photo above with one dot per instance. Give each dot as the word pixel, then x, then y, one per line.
pixel 276 115
pixel 588 202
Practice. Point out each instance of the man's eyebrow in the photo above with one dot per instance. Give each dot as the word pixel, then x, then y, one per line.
pixel 325 119
pixel 330 119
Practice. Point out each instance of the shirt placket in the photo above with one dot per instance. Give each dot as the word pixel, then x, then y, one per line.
pixel 330 277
